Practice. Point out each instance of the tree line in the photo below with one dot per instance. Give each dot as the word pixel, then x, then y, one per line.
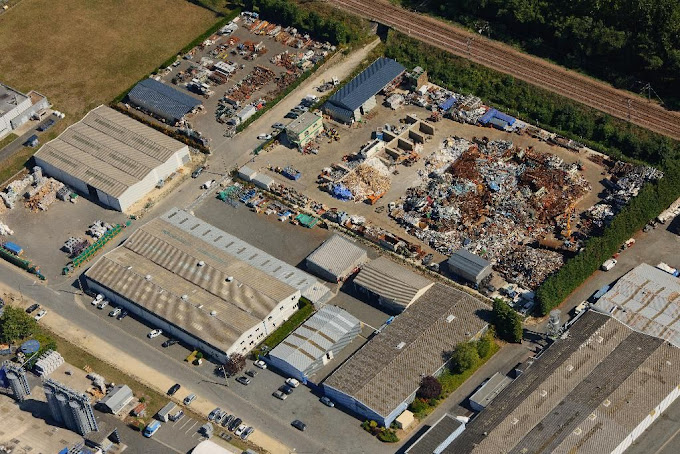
pixel 626 42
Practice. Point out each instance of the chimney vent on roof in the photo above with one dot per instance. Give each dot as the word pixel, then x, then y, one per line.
pixel 450 318
pixel 147 277
pixel 230 278
pixel 213 313
pixel 185 297
pixel 201 263
pixel 401 345
pixel 544 393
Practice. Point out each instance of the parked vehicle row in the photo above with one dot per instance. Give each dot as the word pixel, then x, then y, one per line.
pixel 230 422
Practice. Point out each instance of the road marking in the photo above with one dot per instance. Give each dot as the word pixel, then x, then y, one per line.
pixel 667 441
pixel 178 421
pixel 167 446
pixel 192 426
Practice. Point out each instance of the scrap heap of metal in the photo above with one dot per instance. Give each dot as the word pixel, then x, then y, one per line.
pixel 256 79
pixel 496 200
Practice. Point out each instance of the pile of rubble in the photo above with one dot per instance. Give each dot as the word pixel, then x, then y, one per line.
pixel 369 178
pixel 495 200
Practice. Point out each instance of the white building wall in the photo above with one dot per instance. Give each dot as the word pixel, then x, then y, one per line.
pixel 6 119
pixel 66 178
pixel 644 425
pixel 24 116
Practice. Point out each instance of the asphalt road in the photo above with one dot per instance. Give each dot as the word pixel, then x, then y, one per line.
pixel 13 147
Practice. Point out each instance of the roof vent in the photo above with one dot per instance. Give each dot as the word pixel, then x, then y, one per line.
pixel 668 363
pixel 570 368
pixel 401 345
pixel 147 277
pixel 230 278
pixel 185 297
pixel 600 339
pixel 201 263
pixel 592 416
pixel 544 393
pixel 578 431
pixel 514 421
pixel 450 318
pixel 213 313
pixel 606 403
pixel 129 268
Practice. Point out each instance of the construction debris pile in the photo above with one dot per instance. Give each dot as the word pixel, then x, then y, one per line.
pixel 368 179
pixel 42 194
pixel 495 200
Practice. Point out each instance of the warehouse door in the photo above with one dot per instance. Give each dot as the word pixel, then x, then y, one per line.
pixel 93 192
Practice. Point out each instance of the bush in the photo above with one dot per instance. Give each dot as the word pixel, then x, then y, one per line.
pixel 418 406
pixel 464 357
pixel 388 436
pixel 485 345
pixel 430 388
pixel 507 322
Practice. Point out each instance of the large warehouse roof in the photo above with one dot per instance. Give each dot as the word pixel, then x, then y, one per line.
pixel 158 269
pixel 337 255
pixel 157 96
pixel 314 338
pixel 586 393
pixel 109 151
pixel 388 279
pixel 10 98
pixel 648 300
pixel 368 83
pixel 389 368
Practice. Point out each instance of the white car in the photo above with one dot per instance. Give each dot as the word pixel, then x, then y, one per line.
pixel 97 299
pixel 261 364
pixel 240 430
pixel 292 382
pixel 115 312
pixel 155 333
pixel 264 136
pixel 40 315
pixel 102 304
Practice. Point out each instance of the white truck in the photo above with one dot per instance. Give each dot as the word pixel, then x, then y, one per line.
pixel 608 265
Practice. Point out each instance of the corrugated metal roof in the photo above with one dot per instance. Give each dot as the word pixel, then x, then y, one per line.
pixel 314 338
pixel 117 398
pixel 369 82
pixel 488 392
pixel 382 376
pixel 109 151
pixel 435 435
pixel 586 393
pixel 338 255
pixel 394 282
pixel 184 293
pixel 160 97
pixel 647 300
pixel 310 287
pixel 468 262
pixel 303 122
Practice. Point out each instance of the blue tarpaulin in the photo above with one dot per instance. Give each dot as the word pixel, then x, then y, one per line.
pixel 339 191
pixel 446 105
pixel 493 113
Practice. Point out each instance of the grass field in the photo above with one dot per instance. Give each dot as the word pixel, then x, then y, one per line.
pixel 82 53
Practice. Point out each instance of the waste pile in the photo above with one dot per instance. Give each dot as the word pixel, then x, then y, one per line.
pixel 42 194
pixel 496 200
pixel 369 178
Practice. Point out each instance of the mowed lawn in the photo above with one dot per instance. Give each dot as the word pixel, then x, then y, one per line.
pixel 82 53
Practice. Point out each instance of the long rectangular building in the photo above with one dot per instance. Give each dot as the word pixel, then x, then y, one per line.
pixel 381 379
pixel 111 157
pixel 594 391
pixel 200 284
pixel 16 108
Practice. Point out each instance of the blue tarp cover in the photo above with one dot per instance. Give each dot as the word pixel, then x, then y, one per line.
pixel 446 105
pixel 341 192
pixel 493 113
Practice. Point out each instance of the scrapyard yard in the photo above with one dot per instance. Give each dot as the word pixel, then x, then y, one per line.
pixel 100 48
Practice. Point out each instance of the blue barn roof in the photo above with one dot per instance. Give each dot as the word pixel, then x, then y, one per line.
pixel 368 83
pixel 162 99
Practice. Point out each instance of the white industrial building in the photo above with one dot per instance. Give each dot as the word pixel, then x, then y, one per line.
pixel 200 284
pixel 16 108
pixel 336 259
pixel 111 157
pixel 315 343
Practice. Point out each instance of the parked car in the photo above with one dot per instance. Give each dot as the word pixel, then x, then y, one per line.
pixel 196 173
pixel 240 430
pixel 608 265
pixel 292 382
pixel 154 333
pixel 221 417
pixel 292 115
pixel 170 342
pixel 280 395
pixel 243 380
pixel 427 259
pixel 97 299
pixel 176 416
pixel 327 402
pixel 102 304
pixel 260 364
pixel 214 413
pixel 299 425
pixel 47 125
pixel 228 420
pixel 40 315
pixel 251 373
pixel 123 315
pixel 278 126
pixel 207 184
pixel 173 389
pixel 234 424
pixel 190 398
pixel 264 137
pixel 246 433
pixel 286 389
pixel 32 308
pixel 115 312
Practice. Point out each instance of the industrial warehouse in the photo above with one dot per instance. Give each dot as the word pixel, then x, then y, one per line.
pixel 162 100
pixel 200 284
pixel 381 379
pixel 111 157
pixel 595 390
pixel 315 343
pixel 336 259
pixel 16 108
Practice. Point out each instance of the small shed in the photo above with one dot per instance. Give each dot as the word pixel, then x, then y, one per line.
pixel 263 181
pixel 247 173
pixel 469 266
pixel 489 390
pixel 164 413
pixel 117 399
pixel 405 420
pixel 336 259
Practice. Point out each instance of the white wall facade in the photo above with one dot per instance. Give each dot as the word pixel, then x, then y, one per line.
pixel 6 119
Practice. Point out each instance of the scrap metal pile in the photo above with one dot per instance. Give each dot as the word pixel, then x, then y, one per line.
pixel 369 178
pixel 496 200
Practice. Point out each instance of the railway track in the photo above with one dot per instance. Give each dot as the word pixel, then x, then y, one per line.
pixel 503 58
